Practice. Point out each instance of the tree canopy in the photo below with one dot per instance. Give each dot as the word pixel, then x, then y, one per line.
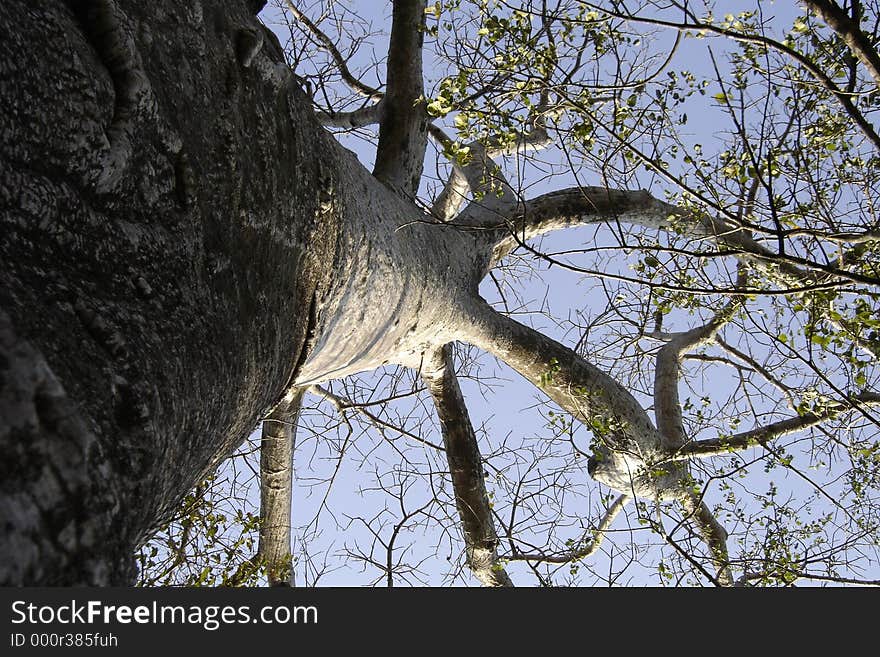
pixel 685 202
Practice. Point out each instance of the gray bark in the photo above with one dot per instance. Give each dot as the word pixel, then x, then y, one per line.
pixel 161 241
pixel 181 242
pixel 403 136
pixel 276 486
pixel 465 468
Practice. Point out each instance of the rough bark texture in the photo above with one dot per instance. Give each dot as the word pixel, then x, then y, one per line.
pixel 48 452
pixel 403 134
pixel 161 241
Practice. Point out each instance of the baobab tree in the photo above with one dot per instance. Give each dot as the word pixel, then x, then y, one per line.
pixel 733 243
pixel 188 248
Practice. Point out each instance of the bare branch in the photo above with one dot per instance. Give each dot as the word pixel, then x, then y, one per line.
pixel 276 486
pixel 628 441
pixel 667 407
pixel 341 64
pixel 466 468
pixel 342 404
pixel 588 550
pixel 760 369
pixel 713 534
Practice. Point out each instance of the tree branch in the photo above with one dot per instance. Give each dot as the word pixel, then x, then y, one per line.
pixel 852 35
pixel 466 468
pixel 667 406
pixel 276 486
pixel 350 120
pixel 578 554
pixel 572 207
pixel 713 534
pixel 448 203
pixel 760 369
pixel 576 385
pixel 484 176
pixel 586 205
pixel 535 139
pixel 667 411
pixel 341 64
pixel 403 137
pixel 343 403
pixel 494 198
pixel 761 435
pixel 628 443
pixel 818 74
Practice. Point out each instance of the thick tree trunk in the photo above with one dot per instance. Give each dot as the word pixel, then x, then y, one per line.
pixel 180 242
pixel 161 242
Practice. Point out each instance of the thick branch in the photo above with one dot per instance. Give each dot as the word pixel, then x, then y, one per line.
pixel 493 197
pixel 350 120
pixel 534 140
pixel 849 30
pixel 276 486
pixel 482 175
pixel 667 410
pixel 627 442
pixel 575 206
pixel 466 468
pixel 448 203
pixel 667 406
pixel 713 534
pixel 585 205
pixel 576 385
pixel 403 137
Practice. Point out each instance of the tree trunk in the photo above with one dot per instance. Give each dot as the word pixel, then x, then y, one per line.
pixel 161 243
pixel 180 242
